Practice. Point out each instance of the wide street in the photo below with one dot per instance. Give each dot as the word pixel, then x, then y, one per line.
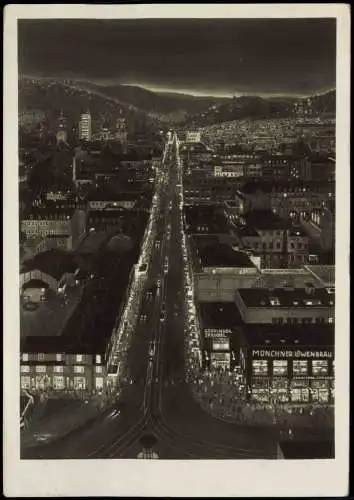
pixel 159 401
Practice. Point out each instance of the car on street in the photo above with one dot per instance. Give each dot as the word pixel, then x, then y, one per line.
pixel 151 349
pixel 165 267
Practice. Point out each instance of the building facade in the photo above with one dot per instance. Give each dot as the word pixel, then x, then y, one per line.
pixel 60 372
pixel 85 127
pixel 45 221
pixel 289 367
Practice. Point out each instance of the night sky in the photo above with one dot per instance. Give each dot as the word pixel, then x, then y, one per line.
pixel 204 56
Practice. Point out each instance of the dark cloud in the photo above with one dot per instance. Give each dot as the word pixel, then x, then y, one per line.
pixel 224 56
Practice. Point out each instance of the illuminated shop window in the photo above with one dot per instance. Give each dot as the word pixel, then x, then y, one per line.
pixel 280 384
pixel 320 367
pixel 25 382
pixel 299 395
pixel 58 382
pixel 280 367
pixel 300 367
pixel 79 383
pixel 260 367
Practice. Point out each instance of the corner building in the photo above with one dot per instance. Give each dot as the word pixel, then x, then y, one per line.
pixel 285 365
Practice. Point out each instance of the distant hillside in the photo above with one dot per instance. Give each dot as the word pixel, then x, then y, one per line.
pixel 325 103
pixel 136 103
pixel 49 97
pixel 156 103
pixel 254 107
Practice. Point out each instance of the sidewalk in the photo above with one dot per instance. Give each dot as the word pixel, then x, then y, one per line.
pixel 225 401
pixel 56 417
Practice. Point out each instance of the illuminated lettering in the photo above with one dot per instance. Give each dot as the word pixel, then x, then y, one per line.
pixel 291 354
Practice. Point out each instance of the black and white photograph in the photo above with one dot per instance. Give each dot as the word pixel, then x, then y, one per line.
pixel 177 256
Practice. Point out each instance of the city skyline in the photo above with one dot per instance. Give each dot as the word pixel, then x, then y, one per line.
pixel 219 58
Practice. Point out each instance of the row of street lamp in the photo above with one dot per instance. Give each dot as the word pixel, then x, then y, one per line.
pixel 192 330
pixel 129 316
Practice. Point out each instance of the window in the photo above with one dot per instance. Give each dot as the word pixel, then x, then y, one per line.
pixel 98 369
pixel 300 367
pixel 58 369
pixel 79 369
pixel 79 383
pixel 99 383
pixel 260 367
pixel 40 357
pixel 40 369
pixel 274 301
pixel 280 367
pixel 320 366
pixel 279 384
pixel 58 382
pixel 24 357
pixel 59 357
pixel 277 321
pixel 25 382
pixel 25 369
pixel 79 358
pixel 277 245
pixel 320 320
pixel 98 359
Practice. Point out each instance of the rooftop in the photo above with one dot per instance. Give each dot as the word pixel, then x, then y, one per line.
pixel 325 274
pixel 50 210
pixel 205 218
pixel 55 344
pixel 265 219
pixel 54 262
pixel 246 231
pixel 222 255
pixel 297 335
pixel 282 297
pixel 34 284
pixel 108 195
pixel 223 315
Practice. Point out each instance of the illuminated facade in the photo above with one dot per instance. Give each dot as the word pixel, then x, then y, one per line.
pixel 288 305
pixel 282 365
pixel 51 221
pixel 85 127
pixel 61 371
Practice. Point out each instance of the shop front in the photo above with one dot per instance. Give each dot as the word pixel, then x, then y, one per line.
pixel 220 361
pixel 290 376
